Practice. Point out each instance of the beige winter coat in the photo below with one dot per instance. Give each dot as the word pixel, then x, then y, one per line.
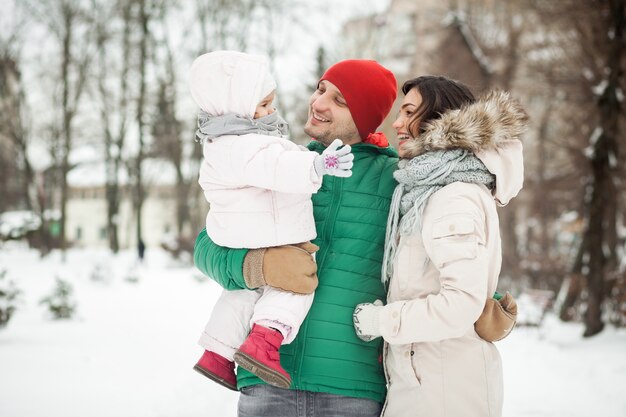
pixel 435 363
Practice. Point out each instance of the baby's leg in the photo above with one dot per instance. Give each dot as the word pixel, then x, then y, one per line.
pixel 229 324
pixel 282 310
pixel 276 320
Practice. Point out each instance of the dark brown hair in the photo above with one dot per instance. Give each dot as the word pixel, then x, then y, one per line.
pixel 438 95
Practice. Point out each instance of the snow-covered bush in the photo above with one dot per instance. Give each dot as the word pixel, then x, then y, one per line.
pixel 16 224
pixel 8 298
pixel 132 274
pixel 60 303
pixel 101 272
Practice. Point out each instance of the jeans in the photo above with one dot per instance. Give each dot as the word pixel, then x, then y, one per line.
pixel 266 400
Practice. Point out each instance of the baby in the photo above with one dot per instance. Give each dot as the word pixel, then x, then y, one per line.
pixel 259 187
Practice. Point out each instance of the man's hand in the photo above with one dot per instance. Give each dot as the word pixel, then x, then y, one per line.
pixel 289 268
pixel 366 321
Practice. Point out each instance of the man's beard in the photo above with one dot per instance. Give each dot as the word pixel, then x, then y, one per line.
pixel 324 138
pixel 327 137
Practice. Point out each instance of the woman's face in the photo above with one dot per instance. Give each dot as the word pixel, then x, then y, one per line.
pixel 409 106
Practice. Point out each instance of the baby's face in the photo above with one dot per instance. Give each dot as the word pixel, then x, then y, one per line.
pixel 264 107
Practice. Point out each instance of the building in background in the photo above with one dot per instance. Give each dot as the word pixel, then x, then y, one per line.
pixel 420 38
pixel 87 207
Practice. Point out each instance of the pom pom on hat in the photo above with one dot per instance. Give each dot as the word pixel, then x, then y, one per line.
pixel 369 89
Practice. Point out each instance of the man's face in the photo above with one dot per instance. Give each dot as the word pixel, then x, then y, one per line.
pixel 329 116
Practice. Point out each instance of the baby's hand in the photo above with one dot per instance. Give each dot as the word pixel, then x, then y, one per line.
pixel 334 161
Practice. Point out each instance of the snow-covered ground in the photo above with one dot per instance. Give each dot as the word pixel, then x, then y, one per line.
pixel 130 348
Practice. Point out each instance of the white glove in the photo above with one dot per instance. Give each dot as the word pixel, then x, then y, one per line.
pixel 333 161
pixel 366 320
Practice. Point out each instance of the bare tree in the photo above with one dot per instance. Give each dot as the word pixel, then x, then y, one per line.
pixel 602 227
pixel 115 105
pixel 592 38
pixel 16 167
pixel 493 32
pixel 72 91
pixel 68 22
pixel 167 129
pixel 144 17
pixel 224 24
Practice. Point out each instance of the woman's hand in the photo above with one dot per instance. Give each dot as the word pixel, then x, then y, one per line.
pixel 366 320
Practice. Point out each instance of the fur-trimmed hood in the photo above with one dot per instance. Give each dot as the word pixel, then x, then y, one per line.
pixel 492 128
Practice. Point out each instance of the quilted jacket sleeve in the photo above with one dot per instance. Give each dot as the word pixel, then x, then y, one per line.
pixel 223 265
pixel 264 162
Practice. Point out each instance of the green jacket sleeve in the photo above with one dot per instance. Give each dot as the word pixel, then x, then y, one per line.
pixel 222 265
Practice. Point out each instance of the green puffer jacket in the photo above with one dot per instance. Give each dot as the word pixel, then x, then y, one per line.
pixel 350 217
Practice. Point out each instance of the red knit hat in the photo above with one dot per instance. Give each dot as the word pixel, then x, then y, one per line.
pixel 369 89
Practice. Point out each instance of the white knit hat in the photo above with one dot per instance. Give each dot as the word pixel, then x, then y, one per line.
pixel 224 82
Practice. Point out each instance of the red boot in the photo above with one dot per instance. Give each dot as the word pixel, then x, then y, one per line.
pixel 259 355
pixel 217 368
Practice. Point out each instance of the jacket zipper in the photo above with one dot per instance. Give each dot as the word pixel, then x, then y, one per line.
pixel 327 233
pixel 274 208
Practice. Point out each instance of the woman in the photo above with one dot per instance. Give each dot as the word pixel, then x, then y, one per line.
pixel 460 157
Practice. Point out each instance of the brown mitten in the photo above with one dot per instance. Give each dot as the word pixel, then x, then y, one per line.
pixel 497 319
pixel 289 268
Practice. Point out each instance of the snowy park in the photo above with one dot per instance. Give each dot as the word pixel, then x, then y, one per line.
pixel 131 345
pixel 111 163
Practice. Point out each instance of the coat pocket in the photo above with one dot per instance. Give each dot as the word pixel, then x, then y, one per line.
pixel 454 238
pixel 415 362
pixel 402 372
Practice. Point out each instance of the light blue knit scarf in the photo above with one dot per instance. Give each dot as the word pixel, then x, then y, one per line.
pixel 418 179
pixel 211 127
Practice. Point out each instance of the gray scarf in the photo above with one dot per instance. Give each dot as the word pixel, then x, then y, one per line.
pixel 211 127
pixel 418 179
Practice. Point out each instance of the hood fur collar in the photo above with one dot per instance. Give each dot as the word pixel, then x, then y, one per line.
pixel 484 125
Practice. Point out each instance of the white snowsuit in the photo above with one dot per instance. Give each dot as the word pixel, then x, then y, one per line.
pixel 259 188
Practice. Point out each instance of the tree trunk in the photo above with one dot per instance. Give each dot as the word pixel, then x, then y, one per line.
pixel 67 117
pixel 595 232
pixel 604 163
pixel 576 282
pixel 141 104
pixel 114 142
pixel 510 252
pixel 29 176
pixel 12 102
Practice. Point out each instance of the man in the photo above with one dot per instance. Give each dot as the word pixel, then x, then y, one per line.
pixel 333 372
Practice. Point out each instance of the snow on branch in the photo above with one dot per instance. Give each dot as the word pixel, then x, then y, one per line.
pixel 599 89
pixel 589 151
